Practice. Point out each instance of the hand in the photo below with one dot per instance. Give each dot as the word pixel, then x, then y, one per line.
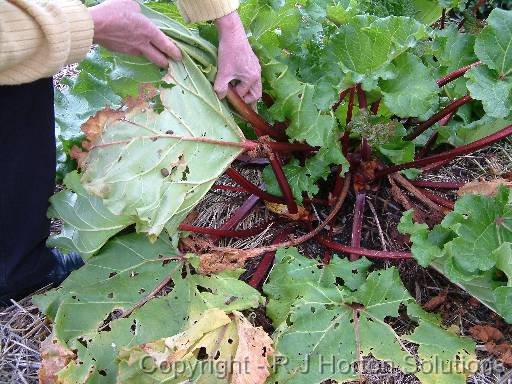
pixel 120 26
pixel 237 61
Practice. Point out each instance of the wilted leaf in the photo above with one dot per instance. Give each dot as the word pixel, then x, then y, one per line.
pixel 155 167
pixel 486 333
pixel 54 357
pixel 217 348
pixel 485 188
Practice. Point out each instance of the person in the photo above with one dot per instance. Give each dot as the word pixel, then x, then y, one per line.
pixel 37 38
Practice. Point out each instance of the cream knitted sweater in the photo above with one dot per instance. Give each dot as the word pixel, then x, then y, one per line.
pixel 38 37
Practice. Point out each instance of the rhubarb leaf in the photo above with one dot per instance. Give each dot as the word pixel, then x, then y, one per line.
pixel 348 323
pixel 472 247
pixel 367 45
pixel 492 45
pixel 413 91
pixel 217 348
pixel 155 167
pixel 110 303
pixel 495 93
pixel 87 224
pixel 293 275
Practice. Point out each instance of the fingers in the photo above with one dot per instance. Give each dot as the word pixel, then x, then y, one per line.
pixel 154 55
pixel 165 45
pixel 222 84
pixel 254 93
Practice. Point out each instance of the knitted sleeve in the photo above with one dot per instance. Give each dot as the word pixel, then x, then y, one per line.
pixel 38 37
pixel 201 10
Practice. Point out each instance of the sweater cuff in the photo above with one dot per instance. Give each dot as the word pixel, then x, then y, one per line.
pixel 81 28
pixel 203 10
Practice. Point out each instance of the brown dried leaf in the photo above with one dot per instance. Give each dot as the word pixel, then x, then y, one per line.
pixel 436 301
pixel 502 351
pixel 78 155
pixel 486 188
pixel 223 259
pixel 486 333
pixel 94 126
pixel 54 357
pixel 254 348
pixel 282 210
pixel 146 92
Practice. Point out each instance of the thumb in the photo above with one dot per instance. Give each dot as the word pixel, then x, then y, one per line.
pixel 222 84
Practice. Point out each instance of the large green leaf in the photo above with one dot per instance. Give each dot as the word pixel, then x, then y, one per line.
pixel 367 45
pixel 472 247
pixel 490 83
pixel 493 44
pixel 87 224
pixel 413 92
pixel 325 329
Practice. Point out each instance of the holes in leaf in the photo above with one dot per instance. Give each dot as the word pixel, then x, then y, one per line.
pixel 340 282
pixel 134 274
pixel 110 295
pixel 185 174
pixel 133 327
pixel 355 271
pixel 169 132
pixel 202 355
pixel 82 341
pixel 313 309
pixel 112 274
pixel 217 355
pixel 230 341
pixel 141 291
pixel 102 372
pixel 330 307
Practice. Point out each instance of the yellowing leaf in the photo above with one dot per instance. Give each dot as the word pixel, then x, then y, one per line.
pixel 217 348
pixel 54 357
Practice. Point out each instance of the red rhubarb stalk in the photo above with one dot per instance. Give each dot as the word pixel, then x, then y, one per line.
pixel 437 185
pixel 361 96
pixel 357 223
pixel 275 163
pixel 268 258
pixel 241 213
pixel 228 188
pixel 438 199
pixel 432 140
pixel 450 155
pixel 343 94
pixel 289 147
pixel 438 116
pixel 456 74
pixel 251 188
pixel 374 108
pixel 364 252
pixel 261 127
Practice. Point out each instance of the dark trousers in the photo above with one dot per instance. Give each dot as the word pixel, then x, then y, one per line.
pixel 27 180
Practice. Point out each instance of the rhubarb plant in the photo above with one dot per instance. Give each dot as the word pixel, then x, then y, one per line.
pixel 472 247
pixel 357 95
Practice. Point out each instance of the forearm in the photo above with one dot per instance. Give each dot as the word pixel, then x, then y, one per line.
pixel 38 37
